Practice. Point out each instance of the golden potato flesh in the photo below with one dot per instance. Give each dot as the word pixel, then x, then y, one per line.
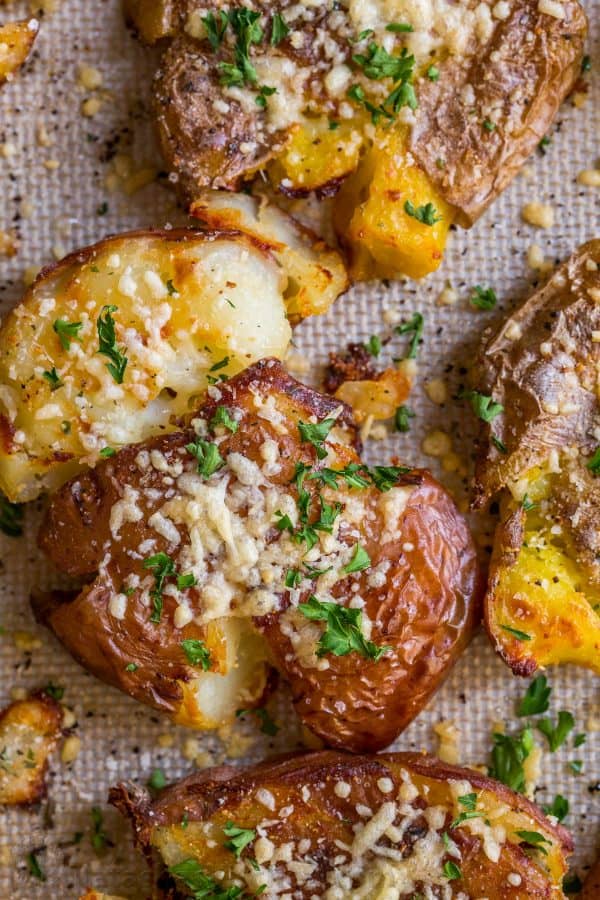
pixel 118 340
pixel 347 827
pixel 540 457
pixel 16 41
pixel 29 732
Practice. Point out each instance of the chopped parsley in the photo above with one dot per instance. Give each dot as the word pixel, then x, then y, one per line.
pixel 34 867
pixel 399 28
pixel 593 464
pixel 164 568
pixel 316 435
pixel 216 28
pixel 536 699
pixel 526 504
pixel 579 739
pixel 401 417
pixel 102 209
pixel 208 457
pixel 157 780
pixel 498 444
pixel 222 417
pixel 559 808
pixel 203 886
pixel 414 326
pixel 267 725
pixel 221 364
pixel 489 125
pixel 519 635
pixel 576 766
pixel 67 332
pixel 534 839
pixel 239 838
pixel 131 667
pixel 56 691
pixel 108 343
pixel 65 427
pixel 279 29
pixel 98 836
pixel 264 91
pixel 186 581
pixel 557 734
pixel 469 804
pixel 433 73
pixel 451 870
pixel 386 477
pixel 377 64
pixel 11 517
pixel 172 290
pixel 342 633
pixel 107 452
pixel 586 64
pixel 53 379
pixel 359 562
pixel 426 215
pixel 545 142
pixel 373 345
pixel 246 26
pixel 293 578
pixel 508 756
pixel 483 298
pixel 197 653
pixel 483 406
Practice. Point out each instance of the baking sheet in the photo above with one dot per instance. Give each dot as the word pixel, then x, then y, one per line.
pixel 55 208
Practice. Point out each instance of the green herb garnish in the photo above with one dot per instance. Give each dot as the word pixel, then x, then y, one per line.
pixel 108 343
pixel 197 653
pixel 342 633
pixel 426 215
pixel 536 699
pixel 67 332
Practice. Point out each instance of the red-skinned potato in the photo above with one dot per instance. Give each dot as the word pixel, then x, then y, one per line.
pixel 29 732
pixel 347 827
pixel 591 885
pixel 409 130
pixel 538 455
pixel 257 538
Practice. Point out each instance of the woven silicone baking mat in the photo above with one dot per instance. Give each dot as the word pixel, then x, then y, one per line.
pixel 54 193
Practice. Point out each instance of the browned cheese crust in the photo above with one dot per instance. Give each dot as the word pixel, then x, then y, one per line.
pixel 419 592
pixel 360 823
pixel 29 732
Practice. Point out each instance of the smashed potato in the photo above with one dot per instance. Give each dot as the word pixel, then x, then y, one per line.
pixel 120 339
pixel 540 454
pixel 420 116
pixel 16 41
pixel 348 827
pixel 29 732
pixel 257 539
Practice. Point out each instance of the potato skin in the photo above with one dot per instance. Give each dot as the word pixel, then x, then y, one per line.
pixel 541 367
pixel 29 732
pixel 591 885
pixel 424 608
pixel 307 785
pixel 528 68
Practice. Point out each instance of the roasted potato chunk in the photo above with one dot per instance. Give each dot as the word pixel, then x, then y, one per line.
pixel 257 538
pixel 436 117
pixel 539 455
pixel 29 732
pixel 120 339
pixel 347 827
pixel 16 41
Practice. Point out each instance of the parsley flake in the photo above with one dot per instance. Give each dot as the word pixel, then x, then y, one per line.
pixel 414 326
pixel 157 780
pixel 519 635
pixel 557 734
pixel 536 699
pixel 239 838
pixel 451 870
pixel 267 725
pixel 108 343
pixel 279 29
pixel 11 517
pixel 593 464
pixel 33 866
pixel 316 435
pixel 359 562
pixel 53 379
pixel 373 345
pixel 342 633
pixel 67 332
pixel 559 808
pixel 164 568
pixel 426 215
pixel 401 417
pixel 534 839
pixel 483 406
pixel 197 653
pixel 222 417
pixel 208 457
pixel 483 298
pixel 508 755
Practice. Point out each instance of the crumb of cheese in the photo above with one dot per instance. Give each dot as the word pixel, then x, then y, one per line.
pixel 540 215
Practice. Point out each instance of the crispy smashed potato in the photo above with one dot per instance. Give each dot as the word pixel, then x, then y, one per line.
pixel 16 41
pixel 91 894
pixel 29 732
pixel 348 827
pixel 254 539
pixel 421 117
pixel 540 454
pixel 120 339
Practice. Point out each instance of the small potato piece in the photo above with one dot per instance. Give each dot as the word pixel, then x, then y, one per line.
pixel 189 306
pixel 16 41
pixel 543 599
pixel 29 732
pixel 247 533
pixel 91 894
pixel 383 238
pixel 328 824
pixel 379 397
pixel 152 19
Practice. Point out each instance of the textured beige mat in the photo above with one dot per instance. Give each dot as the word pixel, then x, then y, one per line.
pixel 53 191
